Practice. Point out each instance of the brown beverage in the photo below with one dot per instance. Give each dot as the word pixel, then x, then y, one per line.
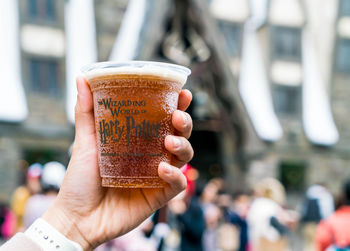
pixel 133 105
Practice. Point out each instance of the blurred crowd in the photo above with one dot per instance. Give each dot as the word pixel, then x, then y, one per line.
pixel 206 217
pixel 32 199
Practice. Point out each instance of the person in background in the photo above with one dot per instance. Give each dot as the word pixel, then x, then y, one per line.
pixel 209 194
pixel 267 219
pixel 212 217
pixel 335 230
pixel 186 219
pixel 51 180
pixel 7 222
pixel 22 193
pixel 318 205
pixel 133 241
pixel 323 197
pixel 236 216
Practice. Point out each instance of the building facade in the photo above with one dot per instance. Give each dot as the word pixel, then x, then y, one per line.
pixel 299 159
pixel 252 108
pixel 45 134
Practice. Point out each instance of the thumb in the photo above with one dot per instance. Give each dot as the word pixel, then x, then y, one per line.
pixel 84 111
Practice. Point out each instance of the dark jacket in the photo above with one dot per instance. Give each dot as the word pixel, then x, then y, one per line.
pixel 242 224
pixel 192 226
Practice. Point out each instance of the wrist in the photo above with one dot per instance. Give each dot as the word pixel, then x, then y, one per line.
pixel 66 225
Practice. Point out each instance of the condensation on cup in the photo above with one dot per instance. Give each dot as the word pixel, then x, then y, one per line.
pixel 133 105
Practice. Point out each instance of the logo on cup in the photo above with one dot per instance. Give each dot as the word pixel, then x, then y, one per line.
pixel 113 130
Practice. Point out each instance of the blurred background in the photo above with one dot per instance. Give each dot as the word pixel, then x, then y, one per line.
pixel 270 80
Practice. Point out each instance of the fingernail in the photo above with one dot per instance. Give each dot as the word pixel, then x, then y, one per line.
pixel 176 143
pixel 185 119
pixel 168 169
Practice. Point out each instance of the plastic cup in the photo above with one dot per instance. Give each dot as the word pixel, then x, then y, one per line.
pixel 133 105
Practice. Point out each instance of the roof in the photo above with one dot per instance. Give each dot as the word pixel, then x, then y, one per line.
pixel 81 46
pixel 318 121
pixel 126 43
pixel 13 105
pixel 254 88
pixel 259 9
pixel 253 81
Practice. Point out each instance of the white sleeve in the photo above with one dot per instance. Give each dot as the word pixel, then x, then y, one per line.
pixel 49 239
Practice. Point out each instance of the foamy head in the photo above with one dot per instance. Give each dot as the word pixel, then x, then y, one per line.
pixel 163 70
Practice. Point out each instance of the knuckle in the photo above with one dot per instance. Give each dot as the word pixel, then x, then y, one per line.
pixel 188 151
pixel 183 184
pixel 188 135
pixel 187 120
pixel 187 129
pixel 183 150
pixel 179 146
pixel 191 153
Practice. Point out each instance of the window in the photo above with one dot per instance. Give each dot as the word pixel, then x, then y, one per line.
pixel 50 8
pixel 286 42
pixel 44 76
pixel 342 60
pixel 231 34
pixel 345 8
pixel 33 8
pixel 42 10
pixel 286 99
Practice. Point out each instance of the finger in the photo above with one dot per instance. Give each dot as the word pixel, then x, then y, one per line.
pixel 84 116
pixel 185 98
pixel 181 148
pixel 174 177
pixel 182 122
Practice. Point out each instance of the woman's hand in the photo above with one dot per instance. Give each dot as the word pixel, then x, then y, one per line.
pixel 90 214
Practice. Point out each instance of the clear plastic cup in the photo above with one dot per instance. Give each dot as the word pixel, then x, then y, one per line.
pixel 133 105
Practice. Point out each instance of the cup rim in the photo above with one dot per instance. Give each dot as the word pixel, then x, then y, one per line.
pixel 135 63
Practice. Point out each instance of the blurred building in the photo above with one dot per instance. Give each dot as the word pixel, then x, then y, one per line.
pixel 261 78
pixel 42 133
pixel 340 89
pixel 300 43
pixel 298 54
pixel 269 80
pixel 109 15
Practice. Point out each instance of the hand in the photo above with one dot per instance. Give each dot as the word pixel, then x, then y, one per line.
pixel 90 214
